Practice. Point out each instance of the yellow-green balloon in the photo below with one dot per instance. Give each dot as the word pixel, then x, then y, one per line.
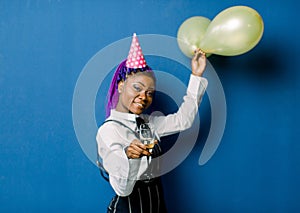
pixel 234 31
pixel 190 34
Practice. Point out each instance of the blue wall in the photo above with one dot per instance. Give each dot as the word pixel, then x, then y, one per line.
pixel 44 46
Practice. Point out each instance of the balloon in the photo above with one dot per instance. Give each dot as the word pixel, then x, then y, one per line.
pixel 234 31
pixel 190 33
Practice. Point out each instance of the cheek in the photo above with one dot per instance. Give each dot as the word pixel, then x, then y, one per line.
pixel 150 101
pixel 128 96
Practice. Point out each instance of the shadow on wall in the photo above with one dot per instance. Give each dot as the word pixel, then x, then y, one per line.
pixel 263 63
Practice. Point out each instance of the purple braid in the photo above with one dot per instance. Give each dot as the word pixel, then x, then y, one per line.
pixel 120 75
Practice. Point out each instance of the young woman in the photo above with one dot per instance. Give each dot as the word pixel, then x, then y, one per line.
pixel 125 158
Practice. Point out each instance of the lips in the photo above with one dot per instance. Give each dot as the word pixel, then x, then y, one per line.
pixel 140 105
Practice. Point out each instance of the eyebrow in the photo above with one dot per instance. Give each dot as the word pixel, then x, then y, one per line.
pixel 144 85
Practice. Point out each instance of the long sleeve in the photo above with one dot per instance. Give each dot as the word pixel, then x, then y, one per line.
pixel 122 171
pixel 184 117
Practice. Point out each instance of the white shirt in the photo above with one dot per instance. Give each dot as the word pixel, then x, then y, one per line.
pixel 112 138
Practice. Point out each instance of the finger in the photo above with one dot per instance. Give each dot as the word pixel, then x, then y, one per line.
pixel 136 156
pixel 143 150
pixel 140 145
pixel 198 55
pixel 132 153
pixel 196 50
pixel 135 149
pixel 133 156
pixel 146 152
pixel 140 149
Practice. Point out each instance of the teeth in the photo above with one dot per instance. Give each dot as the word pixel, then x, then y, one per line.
pixel 141 105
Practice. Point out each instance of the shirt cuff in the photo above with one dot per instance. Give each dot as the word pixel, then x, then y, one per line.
pixel 197 85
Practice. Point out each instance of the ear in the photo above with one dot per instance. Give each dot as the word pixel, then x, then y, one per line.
pixel 120 86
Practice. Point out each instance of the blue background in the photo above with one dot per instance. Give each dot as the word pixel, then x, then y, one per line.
pixel 44 46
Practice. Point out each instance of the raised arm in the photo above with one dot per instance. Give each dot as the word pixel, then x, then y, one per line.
pixel 184 117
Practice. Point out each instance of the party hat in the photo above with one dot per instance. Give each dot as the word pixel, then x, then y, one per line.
pixel 135 57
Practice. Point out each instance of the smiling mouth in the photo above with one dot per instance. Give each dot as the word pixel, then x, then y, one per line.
pixel 140 105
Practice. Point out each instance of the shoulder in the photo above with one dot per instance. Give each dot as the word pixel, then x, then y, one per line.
pixel 108 129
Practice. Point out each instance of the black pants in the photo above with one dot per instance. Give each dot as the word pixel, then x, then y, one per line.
pixel 146 197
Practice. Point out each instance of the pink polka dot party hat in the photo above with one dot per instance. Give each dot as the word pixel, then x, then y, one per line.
pixel 135 57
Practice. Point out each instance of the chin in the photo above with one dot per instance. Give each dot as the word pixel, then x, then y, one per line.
pixel 136 111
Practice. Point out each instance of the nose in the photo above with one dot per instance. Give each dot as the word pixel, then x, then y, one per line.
pixel 143 95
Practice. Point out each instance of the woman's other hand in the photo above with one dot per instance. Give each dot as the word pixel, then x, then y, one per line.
pixel 198 63
pixel 137 149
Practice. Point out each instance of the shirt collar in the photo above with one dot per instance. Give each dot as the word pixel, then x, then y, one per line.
pixel 123 115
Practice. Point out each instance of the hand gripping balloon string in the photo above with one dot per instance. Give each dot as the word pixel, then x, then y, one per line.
pixel 198 50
